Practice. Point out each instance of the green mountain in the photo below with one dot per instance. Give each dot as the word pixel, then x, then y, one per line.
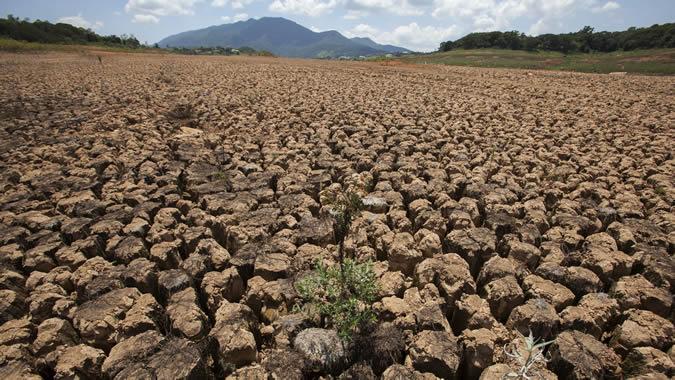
pixel 387 48
pixel 279 36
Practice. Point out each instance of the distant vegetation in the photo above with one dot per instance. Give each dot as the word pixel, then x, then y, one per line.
pixel 635 50
pixel 59 33
pixel 647 61
pixel 25 35
pixel 585 40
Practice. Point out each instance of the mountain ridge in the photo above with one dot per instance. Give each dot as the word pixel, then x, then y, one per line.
pixel 280 36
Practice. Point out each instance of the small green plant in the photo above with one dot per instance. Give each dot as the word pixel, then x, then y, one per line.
pixel 534 351
pixel 344 206
pixel 341 294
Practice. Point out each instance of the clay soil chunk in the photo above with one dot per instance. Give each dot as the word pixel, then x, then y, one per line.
pixel 575 355
pixel 436 352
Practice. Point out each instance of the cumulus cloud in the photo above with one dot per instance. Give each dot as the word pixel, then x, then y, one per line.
pixel 537 28
pixel 607 7
pixel 486 15
pixel 461 8
pixel 144 19
pixel 412 35
pixel 361 30
pixel 80 22
pixel 149 11
pixel 235 18
pixel 398 7
pixel 235 4
pixel 355 9
pixel 311 8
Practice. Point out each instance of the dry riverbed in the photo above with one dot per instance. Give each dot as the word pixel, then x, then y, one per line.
pixel 156 211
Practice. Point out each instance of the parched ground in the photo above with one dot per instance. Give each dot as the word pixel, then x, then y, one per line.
pixel 156 209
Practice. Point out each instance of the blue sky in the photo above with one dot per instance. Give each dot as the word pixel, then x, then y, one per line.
pixel 415 24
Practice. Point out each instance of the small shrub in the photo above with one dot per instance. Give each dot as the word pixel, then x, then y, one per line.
pixel 344 206
pixel 534 351
pixel 341 294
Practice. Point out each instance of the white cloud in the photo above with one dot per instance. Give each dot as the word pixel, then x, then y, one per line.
pixel 608 7
pixel 80 22
pixel 145 19
pixel 235 18
pixel 398 7
pixel 487 15
pixel 537 28
pixel 235 4
pixel 461 8
pixel 161 7
pixel 311 8
pixel 413 36
pixel 361 30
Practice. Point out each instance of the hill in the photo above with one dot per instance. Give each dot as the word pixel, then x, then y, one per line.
pixel 279 36
pixel 386 48
pixel 45 32
pixel 586 40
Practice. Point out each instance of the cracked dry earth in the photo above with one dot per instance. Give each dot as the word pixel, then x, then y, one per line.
pixel 156 211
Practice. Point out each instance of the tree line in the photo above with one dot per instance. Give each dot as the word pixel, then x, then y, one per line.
pixel 585 40
pixel 59 33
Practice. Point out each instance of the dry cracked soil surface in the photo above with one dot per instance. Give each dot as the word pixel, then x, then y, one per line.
pixel 156 211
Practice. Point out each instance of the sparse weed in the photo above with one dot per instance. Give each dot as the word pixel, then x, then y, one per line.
pixel 341 294
pixel 344 206
pixel 534 351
